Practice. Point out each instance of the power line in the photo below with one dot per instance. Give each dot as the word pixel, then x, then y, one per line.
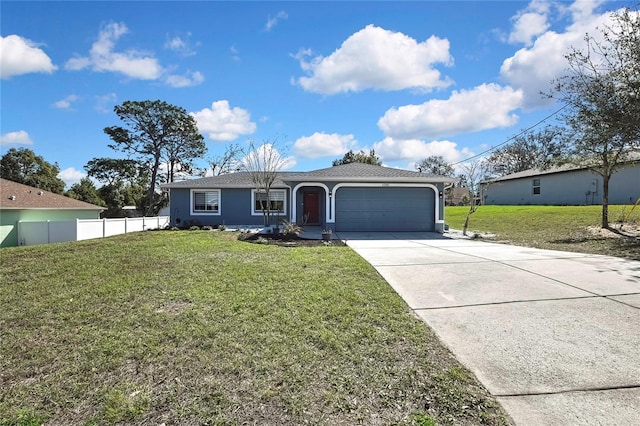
pixel 513 137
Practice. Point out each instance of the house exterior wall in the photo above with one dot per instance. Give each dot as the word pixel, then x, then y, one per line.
pixel 235 209
pixel 235 204
pixel 10 218
pixel 579 187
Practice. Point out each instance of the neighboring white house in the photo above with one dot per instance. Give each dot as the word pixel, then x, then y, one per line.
pixel 562 186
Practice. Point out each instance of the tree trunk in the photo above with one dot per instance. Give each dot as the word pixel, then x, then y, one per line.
pixel 466 220
pixel 152 187
pixel 268 211
pixel 605 201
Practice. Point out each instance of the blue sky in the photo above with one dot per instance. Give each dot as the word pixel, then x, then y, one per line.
pixel 408 79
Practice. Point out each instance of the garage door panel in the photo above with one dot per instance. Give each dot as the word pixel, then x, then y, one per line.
pixel 385 209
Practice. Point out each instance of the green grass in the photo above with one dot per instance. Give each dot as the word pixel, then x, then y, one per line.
pixel 552 227
pixel 195 327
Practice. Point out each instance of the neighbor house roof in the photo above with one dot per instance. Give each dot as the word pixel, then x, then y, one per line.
pixel 352 172
pixel 535 172
pixel 17 196
pixel 634 158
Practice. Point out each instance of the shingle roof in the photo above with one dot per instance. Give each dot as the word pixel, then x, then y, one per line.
pixel 352 172
pixel 229 180
pixel 17 196
pixel 360 171
pixel 535 172
pixel 633 158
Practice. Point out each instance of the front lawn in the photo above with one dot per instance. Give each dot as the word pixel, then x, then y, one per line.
pixel 196 327
pixel 569 228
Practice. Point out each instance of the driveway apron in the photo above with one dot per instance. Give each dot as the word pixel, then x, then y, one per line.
pixel 554 336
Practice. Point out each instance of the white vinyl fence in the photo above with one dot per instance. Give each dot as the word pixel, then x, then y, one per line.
pixel 56 231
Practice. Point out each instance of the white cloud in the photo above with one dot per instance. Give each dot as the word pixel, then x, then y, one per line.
pixel 188 80
pixel 66 102
pixel 324 145
pixel 102 57
pixel 528 26
pixel 485 107
pixel 375 58
pixel 414 150
pixel 272 155
pixel 16 138
pixel 532 69
pixel 272 21
pixel 180 45
pixel 21 56
pixel 222 123
pixel 235 53
pixel 71 176
pixel 105 103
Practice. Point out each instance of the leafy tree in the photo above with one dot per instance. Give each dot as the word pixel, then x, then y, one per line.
pixel 436 165
pixel 263 164
pixel 180 153
pixel 85 191
pixel 529 151
pixel 111 170
pixel 359 157
pixel 125 182
pixel 22 165
pixel 153 131
pixel 602 93
pixel 120 194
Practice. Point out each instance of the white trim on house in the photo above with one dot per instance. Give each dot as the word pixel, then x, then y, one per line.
pixel 195 212
pixel 294 197
pixel 272 191
pixel 437 198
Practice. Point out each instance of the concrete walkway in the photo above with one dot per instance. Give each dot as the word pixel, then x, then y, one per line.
pixel 554 336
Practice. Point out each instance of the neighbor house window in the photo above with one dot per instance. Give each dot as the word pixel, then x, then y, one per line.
pixel 206 202
pixel 536 187
pixel 275 203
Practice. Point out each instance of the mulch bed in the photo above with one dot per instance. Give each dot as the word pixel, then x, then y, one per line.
pixel 285 240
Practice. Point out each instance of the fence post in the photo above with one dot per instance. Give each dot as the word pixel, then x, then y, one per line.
pixel 104 227
pixel 125 224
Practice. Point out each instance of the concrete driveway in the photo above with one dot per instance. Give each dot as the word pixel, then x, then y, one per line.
pixel 554 336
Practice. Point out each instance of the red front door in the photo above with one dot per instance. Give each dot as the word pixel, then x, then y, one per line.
pixel 311 207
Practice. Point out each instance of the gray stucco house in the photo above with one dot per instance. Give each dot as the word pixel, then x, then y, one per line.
pixel 350 197
pixel 562 186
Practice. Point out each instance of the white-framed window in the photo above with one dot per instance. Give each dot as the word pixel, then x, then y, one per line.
pixel 205 201
pixel 536 187
pixel 277 202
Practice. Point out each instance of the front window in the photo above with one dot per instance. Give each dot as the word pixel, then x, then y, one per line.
pixel 536 187
pixel 206 201
pixel 275 203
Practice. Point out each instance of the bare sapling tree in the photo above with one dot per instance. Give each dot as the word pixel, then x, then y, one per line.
pixel 227 162
pixel 472 175
pixel 263 163
pixel 602 93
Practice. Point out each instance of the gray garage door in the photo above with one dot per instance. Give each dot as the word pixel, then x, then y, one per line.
pixel 385 209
